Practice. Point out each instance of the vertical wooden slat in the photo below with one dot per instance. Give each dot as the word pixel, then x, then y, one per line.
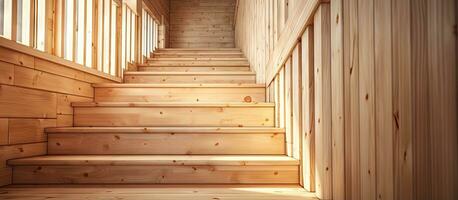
pixel 74 32
pixel 277 100
pixel 323 140
pixel 367 98
pixel 442 75
pixel 296 95
pixel 32 25
pixel 337 96
pixel 421 145
pixel 402 107
pixel 383 97
pixel 288 107
pixel 351 93
pixel 281 92
pixel 118 40
pixel 14 22
pixel 50 30
pixel 308 154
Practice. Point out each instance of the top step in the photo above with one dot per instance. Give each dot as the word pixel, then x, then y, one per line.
pixel 197 54
pixel 197 49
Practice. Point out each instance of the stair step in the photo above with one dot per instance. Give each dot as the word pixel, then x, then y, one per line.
pixel 121 169
pixel 189 77
pixel 192 68
pixel 174 114
pixel 199 59
pixel 179 92
pixel 198 55
pixel 197 63
pixel 166 141
pixel 196 49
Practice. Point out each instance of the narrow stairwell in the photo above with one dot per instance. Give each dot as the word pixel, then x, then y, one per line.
pixel 187 116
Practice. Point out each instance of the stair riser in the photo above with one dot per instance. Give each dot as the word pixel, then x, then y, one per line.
pixel 174 116
pixel 193 55
pixel 156 174
pixel 138 78
pixel 198 63
pixel 166 144
pixel 191 94
pixel 193 69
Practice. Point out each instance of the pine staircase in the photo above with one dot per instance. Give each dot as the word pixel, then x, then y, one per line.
pixel 187 116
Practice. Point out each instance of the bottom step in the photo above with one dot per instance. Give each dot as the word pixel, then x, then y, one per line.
pixel 155 170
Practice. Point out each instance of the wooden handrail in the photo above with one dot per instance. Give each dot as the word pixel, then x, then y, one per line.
pixel 289 37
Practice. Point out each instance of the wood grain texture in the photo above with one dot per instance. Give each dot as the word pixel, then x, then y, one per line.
pixel 187 77
pixel 20 102
pixel 323 136
pixel 192 22
pixel 337 102
pixel 28 130
pixel 3 131
pixel 175 115
pixel 296 106
pixel 367 98
pixel 352 100
pixel 156 174
pixel 198 192
pixel 160 143
pixel 384 136
pixel 442 75
pixel 308 108
pixel 402 106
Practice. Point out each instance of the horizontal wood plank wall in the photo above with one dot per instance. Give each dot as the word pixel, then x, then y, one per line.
pixel 202 23
pixel 36 93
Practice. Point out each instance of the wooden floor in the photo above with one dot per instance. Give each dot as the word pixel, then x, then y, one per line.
pixel 156 192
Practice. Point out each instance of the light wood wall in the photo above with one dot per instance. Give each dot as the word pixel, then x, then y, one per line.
pixel 202 23
pixel 267 30
pixel 378 95
pixel 401 99
pixel 36 90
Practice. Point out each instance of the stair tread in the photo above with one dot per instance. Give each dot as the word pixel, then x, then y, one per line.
pixel 170 104
pixel 193 64
pixel 179 85
pixel 198 49
pixel 198 59
pixel 123 160
pixel 164 130
pixel 191 73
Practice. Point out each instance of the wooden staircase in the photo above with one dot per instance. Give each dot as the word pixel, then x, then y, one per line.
pixel 187 116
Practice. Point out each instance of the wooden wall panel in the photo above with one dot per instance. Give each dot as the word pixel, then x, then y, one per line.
pixel 420 95
pixel 28 130
pixel 308 130
pixel 6 73
pixel 367 98
pixel 406 53
pixel 384 94
pixel 384 134
pixel 202 23
pixel 323 139
pixel 337 101
pixel 402 102
pixel 288 108
pixel 442 76
pixel 35 92
pixel 351 98
pixel 21 102
pixel 296 116
pixel 3 131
